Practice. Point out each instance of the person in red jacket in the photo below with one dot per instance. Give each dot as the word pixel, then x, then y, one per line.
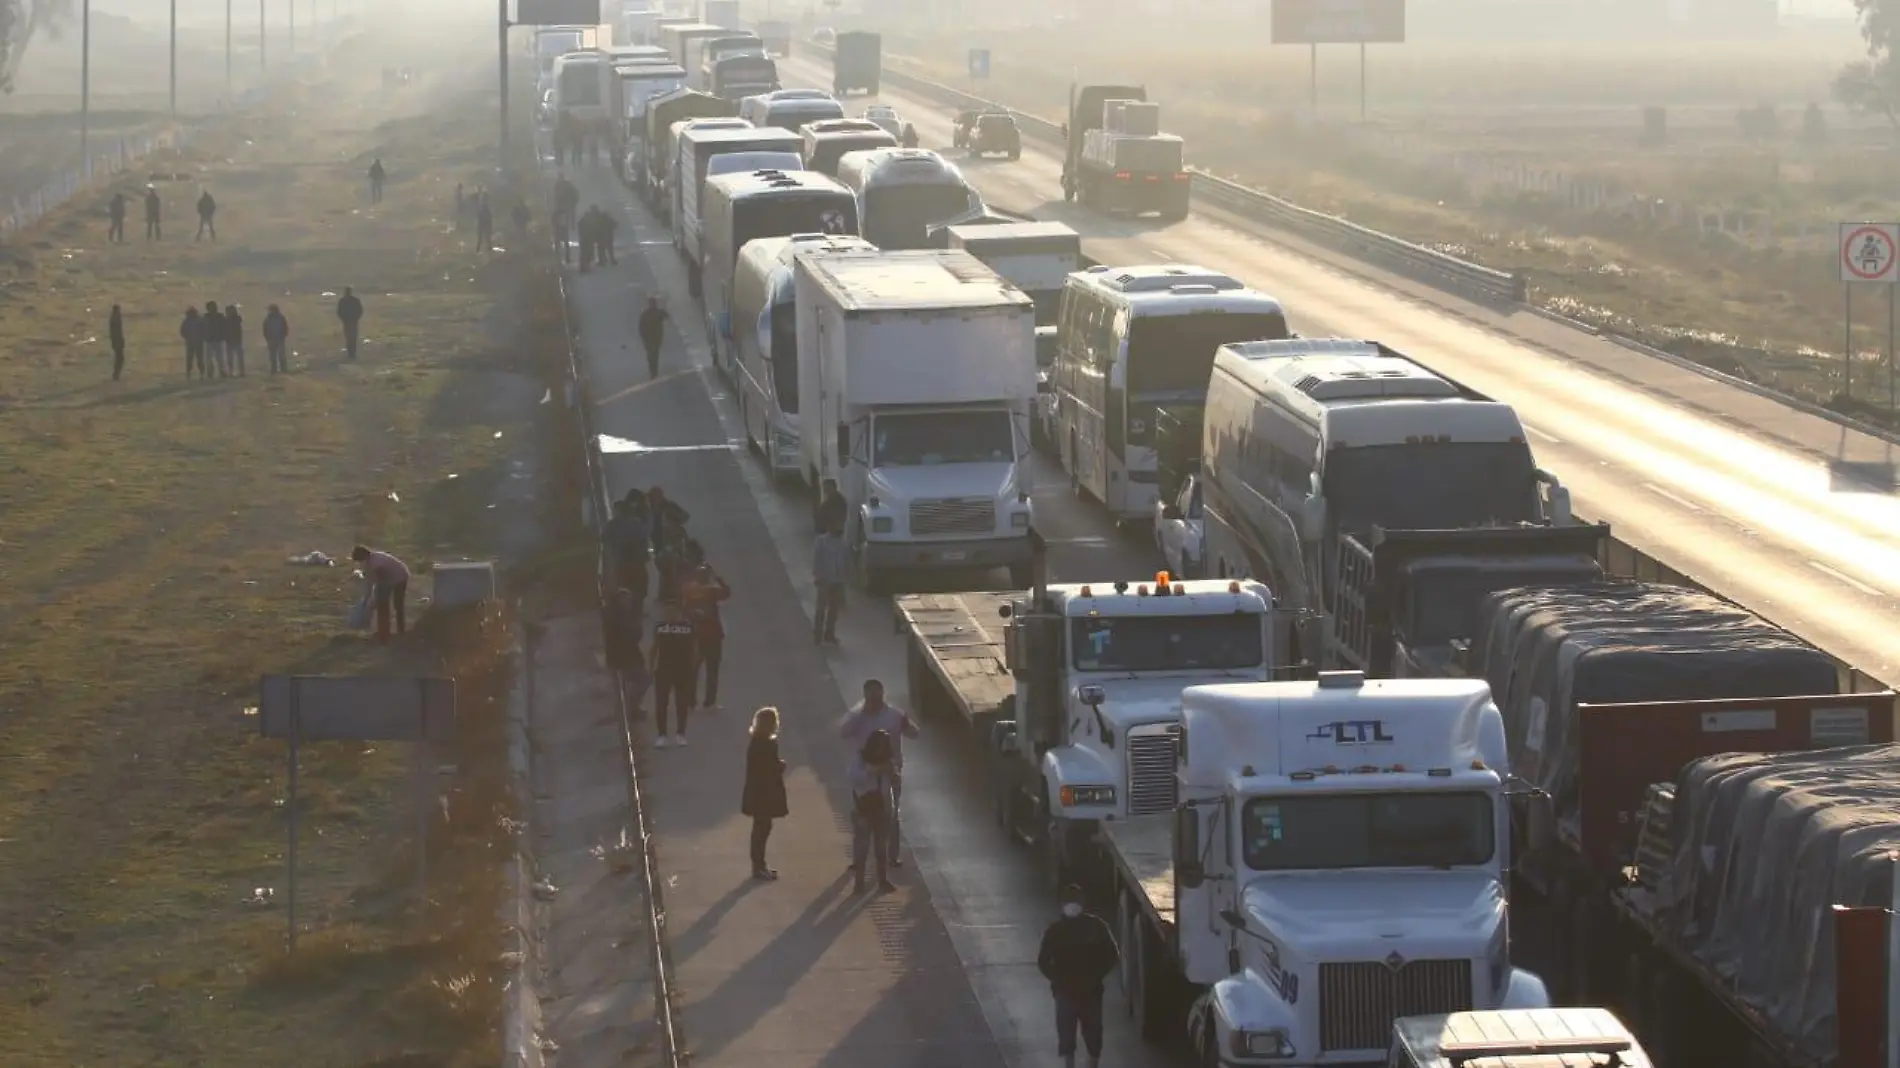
pixel 705 591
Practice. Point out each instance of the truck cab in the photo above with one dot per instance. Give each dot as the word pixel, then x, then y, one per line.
pixel 1340 857
pixel 1099 669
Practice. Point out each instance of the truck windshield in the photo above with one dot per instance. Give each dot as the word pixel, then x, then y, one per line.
pixel 1438 486
pixel 1175 353
pixel 828 211
pixel 925 439
pixel 1404 830
pixel 1228 642
pixel 900 217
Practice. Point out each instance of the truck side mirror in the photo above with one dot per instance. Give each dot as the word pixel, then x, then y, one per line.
pixel 1187 847
pixel 844 444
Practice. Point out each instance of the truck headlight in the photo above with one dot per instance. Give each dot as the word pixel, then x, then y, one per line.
pixel 1019 520
pixel 882 524
pixel 1273 1045
pixel 1087 795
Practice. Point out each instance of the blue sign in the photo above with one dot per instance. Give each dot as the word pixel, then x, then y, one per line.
pixel 979 62
pixel 1353 732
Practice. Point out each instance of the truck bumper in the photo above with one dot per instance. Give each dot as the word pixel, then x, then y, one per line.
pixel 981 552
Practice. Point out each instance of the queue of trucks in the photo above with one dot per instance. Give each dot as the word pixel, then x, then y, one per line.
pixel 1401 694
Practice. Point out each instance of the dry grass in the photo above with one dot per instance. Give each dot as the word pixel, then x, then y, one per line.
pixel 144 531
pixel 1774 314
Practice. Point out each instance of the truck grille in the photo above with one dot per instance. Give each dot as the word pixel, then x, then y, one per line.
pixel 939 518
pixel 1359 1001
pixel 1151 782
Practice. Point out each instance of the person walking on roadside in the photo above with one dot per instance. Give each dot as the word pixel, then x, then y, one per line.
pixel 234 339
pixel 567 199
pixel 484 224
pixel 376 178
pixel 1078 952
pixel 830 571
pixel 705 591
pixel 628 544
pixel 192 331
pixel 207 213
pixel 672 665
pixel 153 231
pixel 873 715
pixel 276 335
pixel 622 622
pixel 115 215
pixel 388 580
pixel 115 334
pixel 873 776
pixel 215 335
pixel 653 334
pixel 763 797
pixel 349 312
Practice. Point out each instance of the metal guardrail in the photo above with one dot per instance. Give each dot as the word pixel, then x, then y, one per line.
pixel 600 501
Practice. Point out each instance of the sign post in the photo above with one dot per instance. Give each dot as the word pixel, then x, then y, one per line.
pixel 979 65
pixel 1317 22
pixel 1868 256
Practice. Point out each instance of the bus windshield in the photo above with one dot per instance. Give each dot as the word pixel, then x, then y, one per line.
pixel 777 215
pixel 1175 353
pixel 925 439
pixel 784 356
pixel 900 217
pixel 1230 642
pixel 1307 832
pixel 1437 486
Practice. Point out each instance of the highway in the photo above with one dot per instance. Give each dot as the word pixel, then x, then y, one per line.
pixel 1786 513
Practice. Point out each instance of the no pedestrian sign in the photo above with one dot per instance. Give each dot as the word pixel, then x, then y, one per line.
pixel 1867 252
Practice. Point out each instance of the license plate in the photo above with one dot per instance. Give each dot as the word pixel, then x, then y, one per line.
pixel 953 557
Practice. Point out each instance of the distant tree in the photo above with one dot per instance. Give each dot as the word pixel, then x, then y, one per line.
pixel 19 21
pixel 1872 85
pixel 1814 125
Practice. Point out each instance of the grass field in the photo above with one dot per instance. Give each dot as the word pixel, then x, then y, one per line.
pixel 1730 259
pixel 146 528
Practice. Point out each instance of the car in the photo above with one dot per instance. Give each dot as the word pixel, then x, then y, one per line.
pixel 995 133
pixel 1178 530
pixel 824 35
pixel 1042 427
pixel 885 116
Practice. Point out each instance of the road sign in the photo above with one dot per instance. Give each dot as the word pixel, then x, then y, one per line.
pixel 1867 252
pixel 557 13
pixel 979 62
pixel 1317 22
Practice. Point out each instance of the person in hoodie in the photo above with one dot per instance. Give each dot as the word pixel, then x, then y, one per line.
pixel 192 331
pixel 1078 952
pixel 234 339
pixel 207 217
pixel 215 335
pixel 276 337
pixel 349 312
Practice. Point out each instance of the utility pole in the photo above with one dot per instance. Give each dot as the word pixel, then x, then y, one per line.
pixel 227 52
pixel 293 33
pixel 501 8
pixel 263 39
pixel 174 57
pixel 85 87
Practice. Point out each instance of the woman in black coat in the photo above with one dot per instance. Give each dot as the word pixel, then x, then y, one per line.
pixel 764 796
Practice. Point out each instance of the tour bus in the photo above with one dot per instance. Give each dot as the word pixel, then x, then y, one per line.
pixel 582 87
pixel 1371 435
pixel 789 109
pixel 742 206
pixel 827 140
pixel 903 192
pixel 765 343
pixel 1131 343
pixel 697 147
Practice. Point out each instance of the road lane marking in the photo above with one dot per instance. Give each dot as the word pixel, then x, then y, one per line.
pixel 1849 579
pixel 1542 435
pixel 1660 492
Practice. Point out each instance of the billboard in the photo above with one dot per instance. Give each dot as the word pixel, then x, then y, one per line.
pixel 557 12
pixel 1336 21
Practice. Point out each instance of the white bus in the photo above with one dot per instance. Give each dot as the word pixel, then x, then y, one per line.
pixel 765 343
pixel 1310 438
pixel 903 192
pixel 789 109
pixel 1132 342
pixel 583 87
pixel 739 207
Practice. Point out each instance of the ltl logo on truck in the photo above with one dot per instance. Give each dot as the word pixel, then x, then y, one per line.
pixel 1353 732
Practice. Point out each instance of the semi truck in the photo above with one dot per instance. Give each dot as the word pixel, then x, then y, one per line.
pixel 1086 103
pixel 857 62
pixel 703 55
pixel 1338 859
pixel 737 76
pixel 1037 257
pixel 1075 691
pixel 916 373
pixel 1129 167
pixel 657 147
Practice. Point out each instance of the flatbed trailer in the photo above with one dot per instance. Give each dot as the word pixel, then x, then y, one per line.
pixel 1141 853
pixel 955 664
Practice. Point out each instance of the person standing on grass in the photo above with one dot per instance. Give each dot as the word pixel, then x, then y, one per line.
pixel 871 716
pixel 872 805
pixel 705 591
pixel 622 623
pixel 763 797
pixel 1078 952
pixel 234 339
pixel 216 331
pixel 152 207
pixel 115 333
pixel 276 334
pixel 349 312
pixel 388 580
pixel 653 334
pixel 115 212
pixel 830 571
pixel 207 212
pixel 376 178
pixel 192 330
pixel 673 674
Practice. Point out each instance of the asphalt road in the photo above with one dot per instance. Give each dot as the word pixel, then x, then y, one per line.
pixel 1786 513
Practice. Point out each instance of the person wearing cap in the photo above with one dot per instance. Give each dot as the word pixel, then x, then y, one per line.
pixel 1078 952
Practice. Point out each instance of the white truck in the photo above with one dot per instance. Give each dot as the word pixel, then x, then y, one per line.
pixel 916 374
pixel 1075 690
pixel 1338 860
pixel 1037 256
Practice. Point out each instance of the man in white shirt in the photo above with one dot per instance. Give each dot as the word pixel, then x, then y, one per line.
pixel 871 715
